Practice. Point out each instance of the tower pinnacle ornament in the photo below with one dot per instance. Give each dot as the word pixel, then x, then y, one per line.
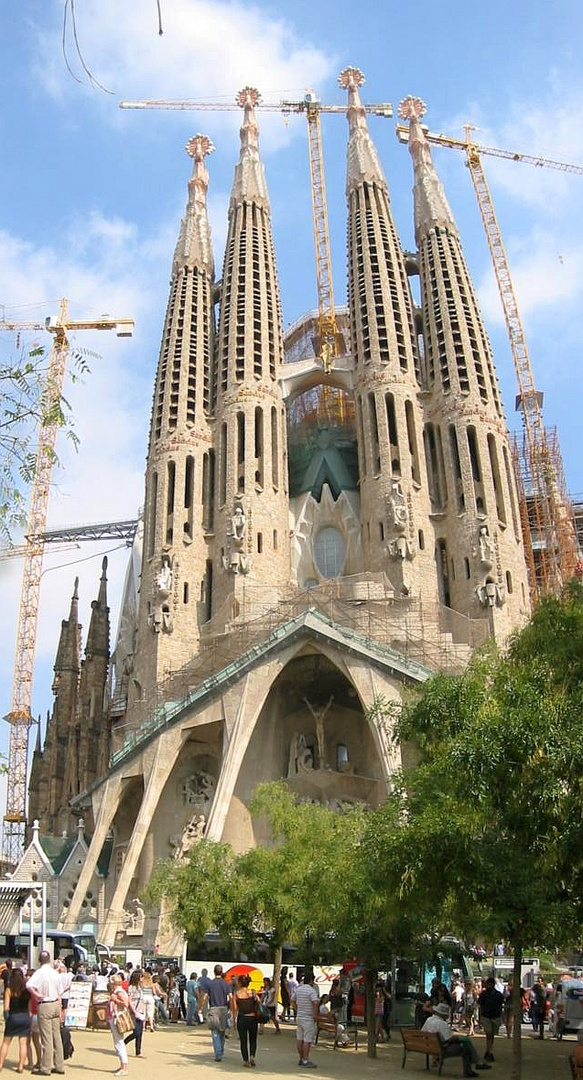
pixel 412 108
pixel 199 146
pixel 351 77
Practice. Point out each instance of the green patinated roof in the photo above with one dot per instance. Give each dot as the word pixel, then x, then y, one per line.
pixel 58 849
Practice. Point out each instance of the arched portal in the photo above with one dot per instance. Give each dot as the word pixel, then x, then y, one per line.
pixel 313 733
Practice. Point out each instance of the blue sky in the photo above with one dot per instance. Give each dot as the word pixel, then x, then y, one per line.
pixel 91 199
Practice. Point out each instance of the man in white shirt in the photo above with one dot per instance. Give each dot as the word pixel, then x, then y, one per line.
pixel 44 984
pixel 306 1001
pixel 454 1045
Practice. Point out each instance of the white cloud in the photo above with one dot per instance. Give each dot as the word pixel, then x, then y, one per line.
pixel 209 50
pixel 546 276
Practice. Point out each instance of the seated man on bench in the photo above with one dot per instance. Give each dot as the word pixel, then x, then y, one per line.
pixel 454 1045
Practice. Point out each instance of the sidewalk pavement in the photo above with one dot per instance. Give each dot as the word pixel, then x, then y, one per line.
pixel 174 1051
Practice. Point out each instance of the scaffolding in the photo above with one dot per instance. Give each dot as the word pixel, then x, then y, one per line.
pixel 565 537
pixel 362 609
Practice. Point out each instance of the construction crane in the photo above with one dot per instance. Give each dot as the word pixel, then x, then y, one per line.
pixel 546 512
pixel 20 717
pixel 61 539
pixel 328 342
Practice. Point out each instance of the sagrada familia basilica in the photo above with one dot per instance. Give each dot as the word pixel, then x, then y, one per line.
pixel 316 537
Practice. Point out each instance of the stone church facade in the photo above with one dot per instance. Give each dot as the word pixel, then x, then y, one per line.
pixel 315 538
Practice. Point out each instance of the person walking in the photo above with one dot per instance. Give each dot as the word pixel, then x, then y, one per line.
pixel 16 1012
pixel 44 986
pixel 192 999
pixel 138 1009
pixel 147 988
pixel 118 1001
pixel 491 1005
pixel 306 1003
pixel 245 1003
pixel 220 1001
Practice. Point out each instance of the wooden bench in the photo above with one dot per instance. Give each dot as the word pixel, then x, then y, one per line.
pixel 422 1042
pixel 328 1025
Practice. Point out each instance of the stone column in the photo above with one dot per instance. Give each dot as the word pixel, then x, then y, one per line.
pixel 110 800
pixel 166 752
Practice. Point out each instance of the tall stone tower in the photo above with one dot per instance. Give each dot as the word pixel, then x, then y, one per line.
pixel 479 548
pixel 175 578
pixel 282 608
pixel 251 519
pixel 394 490
pixel 77 738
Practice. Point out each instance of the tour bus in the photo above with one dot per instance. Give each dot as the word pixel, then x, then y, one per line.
pixel 80 944
pixel 409 979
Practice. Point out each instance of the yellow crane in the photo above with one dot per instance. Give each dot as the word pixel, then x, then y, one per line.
pixel 20 716
pixel 546 510
pixel 329 342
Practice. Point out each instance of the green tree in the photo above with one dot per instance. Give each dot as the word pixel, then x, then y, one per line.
pixel 492 829
pixel 197 894
pixel 26 402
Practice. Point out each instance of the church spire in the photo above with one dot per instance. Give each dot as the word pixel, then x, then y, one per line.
pixel 473 495
pixel 194 247
pixel 249 183
pixel 431 206
pixel 98 633
pixel 180 463
pixel 363 162
pixel 251 518
pixel 393 482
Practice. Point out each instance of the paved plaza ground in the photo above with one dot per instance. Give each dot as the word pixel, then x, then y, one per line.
pixel 176 1052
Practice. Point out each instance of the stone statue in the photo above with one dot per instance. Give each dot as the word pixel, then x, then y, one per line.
pixel 485 547
pixel 398 505
pixel 238 524
pixel 192 832
pixel 132 922
pixel 301 758
pixel 162 593
pixel 236 560
pixel 164 577
pixel 319 715
pixel 400 548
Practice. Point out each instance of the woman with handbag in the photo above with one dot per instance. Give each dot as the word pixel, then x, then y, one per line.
pixel 245 1003
pixel 120 1021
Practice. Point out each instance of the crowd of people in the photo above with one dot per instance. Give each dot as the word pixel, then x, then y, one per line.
pixel 138 1000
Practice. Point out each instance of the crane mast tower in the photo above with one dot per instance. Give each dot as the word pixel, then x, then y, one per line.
pixel 20 716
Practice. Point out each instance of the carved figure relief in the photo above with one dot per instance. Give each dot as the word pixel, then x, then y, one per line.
pixel 132 922
pixel 400 548
pixel 198 791
pixel 485 547
pixel 193 831
pixel 398 506
pixel 490 593
pixel 236 560
pixel 301 757
pixel 161 616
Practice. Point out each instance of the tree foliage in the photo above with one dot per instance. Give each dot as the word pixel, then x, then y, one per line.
pixel 491 812
pixel 27 400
